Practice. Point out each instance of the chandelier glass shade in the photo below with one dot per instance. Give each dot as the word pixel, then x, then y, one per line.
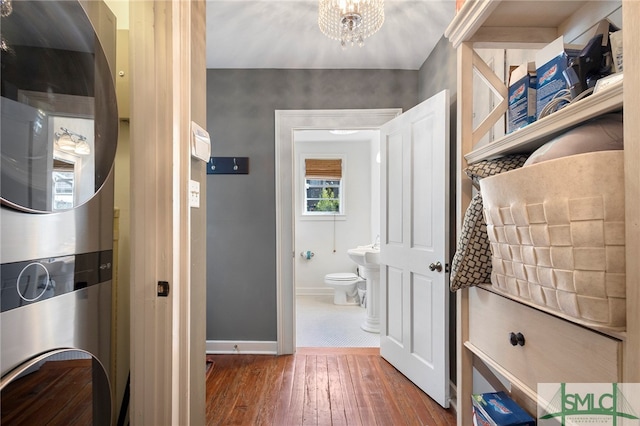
pixel 71 142
pixel 5 8
pixel 350 21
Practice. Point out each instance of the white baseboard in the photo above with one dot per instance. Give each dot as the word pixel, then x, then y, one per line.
pixel 242 347
pixel 314 291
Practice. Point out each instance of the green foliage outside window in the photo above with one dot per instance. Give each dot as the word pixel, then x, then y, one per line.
pixel 328 203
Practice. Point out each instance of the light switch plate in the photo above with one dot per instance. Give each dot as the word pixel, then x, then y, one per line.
pixel 194 194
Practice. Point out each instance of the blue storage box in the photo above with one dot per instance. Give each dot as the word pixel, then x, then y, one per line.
pixel 497 409
pixel 522 97
pixel 551 61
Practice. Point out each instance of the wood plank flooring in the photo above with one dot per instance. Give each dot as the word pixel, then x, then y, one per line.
pixel 316 386
pixel 58 393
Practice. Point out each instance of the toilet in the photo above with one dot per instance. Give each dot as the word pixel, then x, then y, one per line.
pixel 345 287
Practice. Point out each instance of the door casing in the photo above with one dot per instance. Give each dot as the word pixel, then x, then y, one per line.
pixel 286 122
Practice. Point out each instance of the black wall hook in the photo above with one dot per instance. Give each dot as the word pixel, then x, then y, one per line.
pixel 228 166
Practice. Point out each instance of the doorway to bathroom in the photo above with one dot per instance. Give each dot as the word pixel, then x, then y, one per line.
pixel 413 218
pixel 286 123
pixel 336 175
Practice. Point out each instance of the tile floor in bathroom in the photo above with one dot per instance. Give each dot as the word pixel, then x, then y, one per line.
pixel 320 323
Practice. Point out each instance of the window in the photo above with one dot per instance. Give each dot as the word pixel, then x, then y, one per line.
pixel 63 177
pixel 323 186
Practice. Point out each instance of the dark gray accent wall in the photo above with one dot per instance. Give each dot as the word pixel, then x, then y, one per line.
pixel 241 209
pixel 439 72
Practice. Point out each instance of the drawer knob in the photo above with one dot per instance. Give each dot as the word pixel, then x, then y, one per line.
pixel 513 339
pixel 516 339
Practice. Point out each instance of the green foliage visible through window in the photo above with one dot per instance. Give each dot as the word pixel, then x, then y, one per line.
pixel 328 203
pixel 322 196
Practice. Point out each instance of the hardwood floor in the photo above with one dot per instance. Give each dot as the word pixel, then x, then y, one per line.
pixel 58 393
pixel 316 386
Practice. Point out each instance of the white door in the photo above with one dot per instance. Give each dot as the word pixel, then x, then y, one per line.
pixel 414 288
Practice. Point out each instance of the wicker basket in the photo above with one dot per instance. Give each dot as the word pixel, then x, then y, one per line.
pixel 557 236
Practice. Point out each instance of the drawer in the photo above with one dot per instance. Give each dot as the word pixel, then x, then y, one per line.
pixel 554 350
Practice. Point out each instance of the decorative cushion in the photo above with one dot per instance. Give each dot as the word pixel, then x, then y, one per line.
pixel 486 168
pixel 604 133
pixel 472 262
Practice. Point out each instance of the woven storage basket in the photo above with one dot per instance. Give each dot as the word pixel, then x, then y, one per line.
pixel 557 236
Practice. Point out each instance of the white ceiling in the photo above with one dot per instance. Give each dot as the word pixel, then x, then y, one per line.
pixel 319 135
pixel 285 34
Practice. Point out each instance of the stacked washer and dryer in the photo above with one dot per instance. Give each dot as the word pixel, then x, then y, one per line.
pixel 58 140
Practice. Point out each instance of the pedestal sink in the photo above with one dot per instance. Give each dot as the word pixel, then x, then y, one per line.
pixel 368 258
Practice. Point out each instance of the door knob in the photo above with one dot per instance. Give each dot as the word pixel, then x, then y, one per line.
pixel 436 267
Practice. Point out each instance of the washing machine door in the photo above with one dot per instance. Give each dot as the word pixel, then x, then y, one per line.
pixel 61 387
pixel 59 114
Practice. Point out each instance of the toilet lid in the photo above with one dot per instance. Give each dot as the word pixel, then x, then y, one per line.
pixel 342 276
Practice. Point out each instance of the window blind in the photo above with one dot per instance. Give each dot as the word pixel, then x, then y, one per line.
pixel 323 168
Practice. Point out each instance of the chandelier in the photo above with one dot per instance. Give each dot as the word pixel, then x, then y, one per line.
pixel 5 8
pixel 350 21
pixel 71 142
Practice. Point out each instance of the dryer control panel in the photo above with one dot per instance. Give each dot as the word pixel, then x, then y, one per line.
pixel 31 281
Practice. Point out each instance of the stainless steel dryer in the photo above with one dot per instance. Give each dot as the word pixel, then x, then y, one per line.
pixel 58 141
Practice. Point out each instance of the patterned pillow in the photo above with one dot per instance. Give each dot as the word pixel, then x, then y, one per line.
pixel 486 168
pixel 472 262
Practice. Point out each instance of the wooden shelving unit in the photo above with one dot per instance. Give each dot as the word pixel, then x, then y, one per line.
pixel 528 138
pixel 529 24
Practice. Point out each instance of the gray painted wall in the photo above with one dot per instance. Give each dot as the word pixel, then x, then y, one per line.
pixel 438 72
pixel 241 240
